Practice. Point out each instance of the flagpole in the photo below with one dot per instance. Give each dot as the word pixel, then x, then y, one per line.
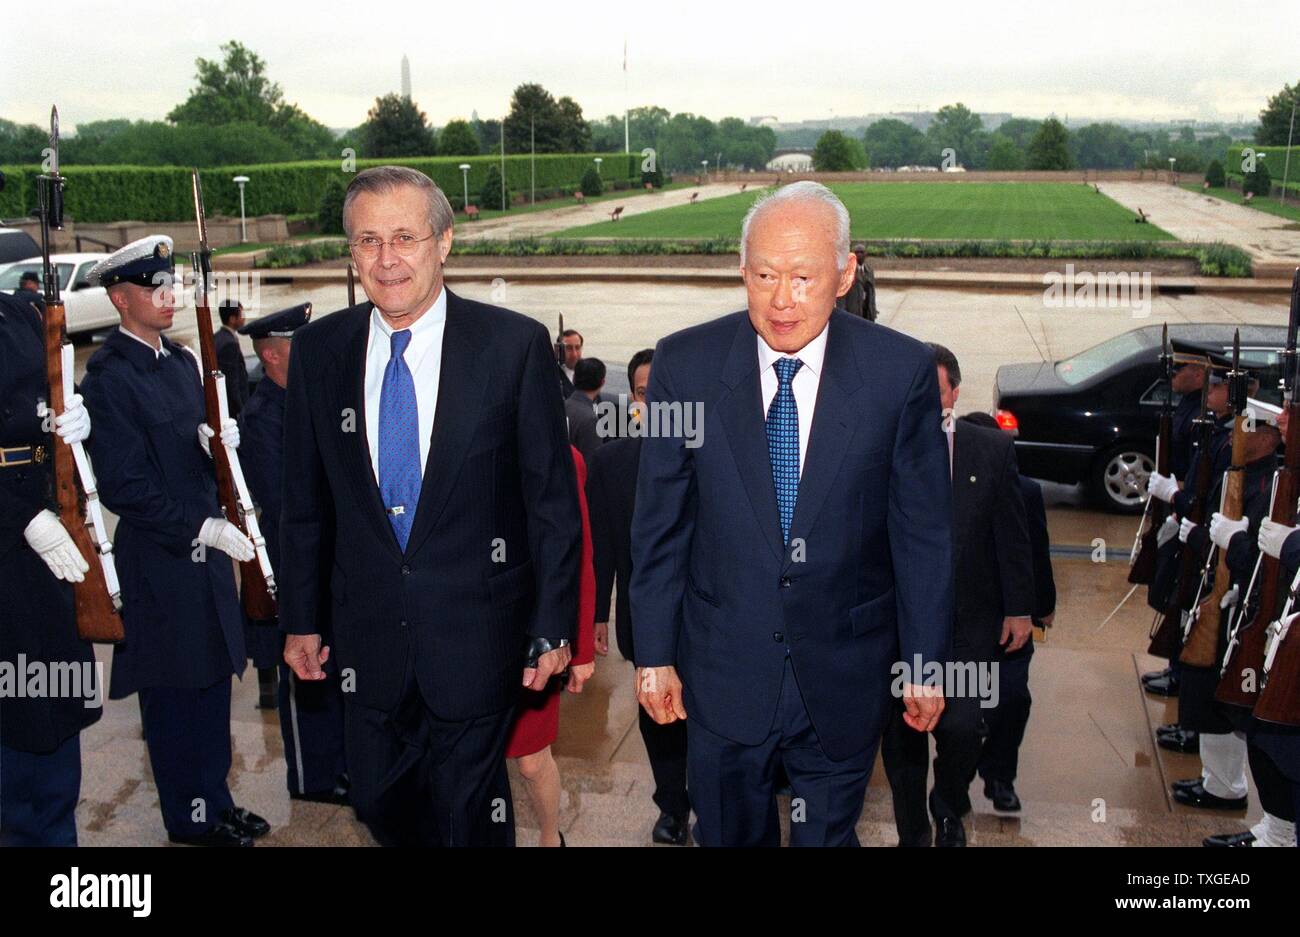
pixel 627 144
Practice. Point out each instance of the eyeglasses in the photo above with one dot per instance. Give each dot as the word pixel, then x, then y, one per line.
pixel 404 245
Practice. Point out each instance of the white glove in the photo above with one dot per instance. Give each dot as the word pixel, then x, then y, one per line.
pixel 1162 487
pixel 1168 531
pixel 1185 529
pixel 1271 537
pixel 229 436
pixel 1222 530
pixel 1229 598
pixel 220 534
pixel 48 537
pixel 73 424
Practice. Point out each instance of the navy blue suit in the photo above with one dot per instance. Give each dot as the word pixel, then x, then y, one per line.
pixel 311 714
pixel 181 615
pixel 795 641
pixel 40 754
pixel 435 637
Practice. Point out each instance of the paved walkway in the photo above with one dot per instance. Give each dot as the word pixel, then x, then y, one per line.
pixel 1191 216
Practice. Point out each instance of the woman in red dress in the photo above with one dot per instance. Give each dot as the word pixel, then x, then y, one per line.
pixel 537 720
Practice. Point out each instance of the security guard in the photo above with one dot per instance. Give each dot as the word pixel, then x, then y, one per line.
pixel 40 742
pixel 181 614
pixel 311 714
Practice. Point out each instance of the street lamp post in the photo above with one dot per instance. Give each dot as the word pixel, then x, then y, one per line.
pixel 1290 134
pixel 1171 169
pixel 705 164
pixel 464 175
pixel 241 181
pixel 599 160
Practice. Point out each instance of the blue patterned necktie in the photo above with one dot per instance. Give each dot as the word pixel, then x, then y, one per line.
pixel 399 441
pixel 783 442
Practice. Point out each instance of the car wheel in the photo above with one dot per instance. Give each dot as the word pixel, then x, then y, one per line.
pixel 1119 479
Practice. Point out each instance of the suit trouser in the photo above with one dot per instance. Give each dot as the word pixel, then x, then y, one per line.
pixel 311 723
pixel 421 780
pixel 906 754
pixel 1006 722
pixel 732 784
pixel 38 795
pixel 666 747
pixel 187 732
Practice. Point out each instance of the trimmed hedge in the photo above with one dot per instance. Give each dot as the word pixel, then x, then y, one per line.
pixel 1275 162
pixel 162 193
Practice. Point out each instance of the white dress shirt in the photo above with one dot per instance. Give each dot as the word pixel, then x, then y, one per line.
pixel 804 384
pixel 423 357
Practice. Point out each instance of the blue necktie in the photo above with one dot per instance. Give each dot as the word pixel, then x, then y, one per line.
pixel 783 442
pixel 399 441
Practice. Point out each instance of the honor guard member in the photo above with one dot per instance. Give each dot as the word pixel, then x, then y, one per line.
pixel 40 747
pixel 311 713
pixel 184 628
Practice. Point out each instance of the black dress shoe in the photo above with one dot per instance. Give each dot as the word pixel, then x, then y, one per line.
pixel 1003 796
pixel 1183 740
pixel 1186 784
pixel 950 832
pixel 222 834
pixel 1198 796
pixel 246 822
pixel 1231 840
pixel 338 794
pixel 1161 686
pixel 669 830
pixel 1168 729
pixel 1157 674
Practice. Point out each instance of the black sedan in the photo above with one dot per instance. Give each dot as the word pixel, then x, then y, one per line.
pixel 1092 418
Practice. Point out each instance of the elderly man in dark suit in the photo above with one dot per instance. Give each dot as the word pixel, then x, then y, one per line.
pixel 993 614
pixel 434 507
pixel 784 556
pixel 230 357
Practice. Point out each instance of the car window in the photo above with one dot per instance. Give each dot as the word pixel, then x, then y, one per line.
pixel 1087 364
pixel 83 272
pixel 1155 395
pixel 10 279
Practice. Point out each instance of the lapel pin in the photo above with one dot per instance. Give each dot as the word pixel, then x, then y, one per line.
pixel 972 478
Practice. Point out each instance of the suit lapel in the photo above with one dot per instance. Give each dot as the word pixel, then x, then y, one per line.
pixel 350 385
pixel 462 382
pixel 832 428
pixel 741 413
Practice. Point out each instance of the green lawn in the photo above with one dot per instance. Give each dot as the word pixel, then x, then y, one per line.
pixel 926 210
pixel 1290 211
pixel 563 202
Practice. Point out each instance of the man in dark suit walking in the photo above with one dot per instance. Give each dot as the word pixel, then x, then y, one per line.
pixel 230 357
pixel 993 609
pixel 782 557
pixel 611 497
pixel 434 501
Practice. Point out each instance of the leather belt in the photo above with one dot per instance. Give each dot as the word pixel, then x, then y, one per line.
pixel 14 456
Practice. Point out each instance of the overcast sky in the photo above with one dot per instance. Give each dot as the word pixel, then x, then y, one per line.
pixel 793 59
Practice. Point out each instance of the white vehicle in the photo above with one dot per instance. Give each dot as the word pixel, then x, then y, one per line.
pixel 88 307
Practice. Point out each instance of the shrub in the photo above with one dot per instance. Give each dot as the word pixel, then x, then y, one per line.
pixel 1214 174
pixel 330 216
pixel 490 195
pixel 591 184
pixel 1258 182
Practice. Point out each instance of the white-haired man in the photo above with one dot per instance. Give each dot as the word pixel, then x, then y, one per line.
pixel 780 566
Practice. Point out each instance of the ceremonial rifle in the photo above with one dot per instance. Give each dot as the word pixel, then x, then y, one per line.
pixel 236 503
pixel 1201 647
pixel 1279 694
pixel 1142 566
pixel 98 597
pixel 1166 639
pixel 1243 662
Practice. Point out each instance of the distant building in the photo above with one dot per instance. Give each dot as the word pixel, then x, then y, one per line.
pixel 406 78
pixel 791 162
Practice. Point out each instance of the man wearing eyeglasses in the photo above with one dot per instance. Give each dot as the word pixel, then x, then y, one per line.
pixel 571 342
pixel 432 479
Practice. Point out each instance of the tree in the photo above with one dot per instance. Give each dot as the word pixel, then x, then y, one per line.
pixel 458 139
pixel 954 127
pixel 396 127
pixel 1019 130
pixel 893 143
pixel 490 195
pixel 1259 182
pixel 836 152
pixel 1104 146
pixel 21 143
pixel 591 185
pixel 1003 154
pixel 1275 118
pixel 537 119
pixel 744 146
pixel 1050 148
pixel 685 142
pixel 233 89
pixel 329 217
pixel 574 131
